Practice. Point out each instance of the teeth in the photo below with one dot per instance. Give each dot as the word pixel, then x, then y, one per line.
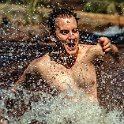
pixel 71 44
pixel 71 41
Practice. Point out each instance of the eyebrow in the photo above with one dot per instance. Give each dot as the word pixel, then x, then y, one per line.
pixel 68 30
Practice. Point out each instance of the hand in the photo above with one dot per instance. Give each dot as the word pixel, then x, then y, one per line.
pixel 105 44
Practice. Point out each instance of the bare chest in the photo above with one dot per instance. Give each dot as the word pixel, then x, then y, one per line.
pixel 81 75
pixel 84 74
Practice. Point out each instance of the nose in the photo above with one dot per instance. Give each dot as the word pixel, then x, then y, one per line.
pixel 71 35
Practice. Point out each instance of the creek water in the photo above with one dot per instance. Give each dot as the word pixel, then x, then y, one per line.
pixel 26 107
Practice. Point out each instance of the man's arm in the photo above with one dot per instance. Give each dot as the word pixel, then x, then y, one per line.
pixel 103 46
pixel 109 48
pixel 23 79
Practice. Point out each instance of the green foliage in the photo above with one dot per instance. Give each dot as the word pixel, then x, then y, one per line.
pixel 33 15
pixel 37 2
pixel 13 1
pixel 95 7
pixel 122 8
pixel 104 6
pixel 116 1
pixel 111 9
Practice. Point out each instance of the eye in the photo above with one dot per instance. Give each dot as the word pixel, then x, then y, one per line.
pixel 64 32
pixel 75 30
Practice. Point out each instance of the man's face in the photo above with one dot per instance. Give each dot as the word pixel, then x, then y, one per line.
pixel 67 33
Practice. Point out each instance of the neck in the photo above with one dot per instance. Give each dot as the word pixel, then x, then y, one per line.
pixel 63 58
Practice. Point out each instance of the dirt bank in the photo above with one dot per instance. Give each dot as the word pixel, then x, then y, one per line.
pixel 95 21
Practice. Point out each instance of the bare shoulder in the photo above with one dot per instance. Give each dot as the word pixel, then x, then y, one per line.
pixel 34 68
pixel 92 51
pixel 38 63
pixel 84 48
pixel 39 60
pixel 92 48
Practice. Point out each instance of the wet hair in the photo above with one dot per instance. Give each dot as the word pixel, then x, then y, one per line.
pixel 59 12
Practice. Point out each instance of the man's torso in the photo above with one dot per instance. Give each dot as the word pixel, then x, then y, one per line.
pixel 80 76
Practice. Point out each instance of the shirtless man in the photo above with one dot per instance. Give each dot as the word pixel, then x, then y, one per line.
pixel 70 65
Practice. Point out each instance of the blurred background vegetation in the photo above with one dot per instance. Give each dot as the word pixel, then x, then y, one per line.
pixel 35 11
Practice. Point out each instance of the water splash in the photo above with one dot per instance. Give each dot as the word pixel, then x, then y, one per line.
pixel 60 109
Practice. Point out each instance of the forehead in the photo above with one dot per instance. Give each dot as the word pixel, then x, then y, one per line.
pixel 65 21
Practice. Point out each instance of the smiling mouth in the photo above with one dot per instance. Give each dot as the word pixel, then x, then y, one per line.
pixel 71 44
